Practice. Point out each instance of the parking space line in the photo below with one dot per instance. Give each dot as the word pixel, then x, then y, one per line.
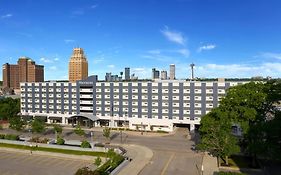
pixel 167 164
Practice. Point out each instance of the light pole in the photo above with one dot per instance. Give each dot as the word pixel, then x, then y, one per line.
pixel 119 113
pixel 141 128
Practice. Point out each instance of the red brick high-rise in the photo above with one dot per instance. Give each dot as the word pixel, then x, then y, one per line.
pixel 25 71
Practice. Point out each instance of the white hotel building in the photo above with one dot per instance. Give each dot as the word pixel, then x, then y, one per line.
pixel 138 105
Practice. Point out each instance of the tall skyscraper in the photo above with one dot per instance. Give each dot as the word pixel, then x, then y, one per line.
pixel 155 73
pixel 164 75
pixel 25 71
pixel 172 72
pixel 127 73
pixel 78 65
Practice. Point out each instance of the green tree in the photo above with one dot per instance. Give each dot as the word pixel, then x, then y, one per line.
pixel 9 108
pixel 106 133
pixel 97 161
pixel 245 106
pixel 216 136
pixel 57 128
pixel 38 125
pixel 79 131
pixel 16 123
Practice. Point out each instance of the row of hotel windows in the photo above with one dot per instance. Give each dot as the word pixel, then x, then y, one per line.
pixel 108 114
pixel 155 97
pixel 197 105
pixel 134 103
pixel 134 110
pixel 123 90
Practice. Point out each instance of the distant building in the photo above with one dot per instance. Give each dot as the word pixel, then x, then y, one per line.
pixel 164 75
pixel 155 74
pixel 25 71
pixel 78 65
pixel 134 77
pixel 108 76
pixel 172 72
pixel 127 73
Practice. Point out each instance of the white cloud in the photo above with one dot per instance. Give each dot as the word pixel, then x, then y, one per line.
pixel 98 59
pixel 56 59
pixel 53 68
pixel 94 6
pixel 174 36
pixel 184 52
pixel 233 70
pixel 271 55
pixel 207 47
pixel 9 15
pixel 111 66
pixel 156 51
pixel 45 60
pixel 67 41
pixel 141 72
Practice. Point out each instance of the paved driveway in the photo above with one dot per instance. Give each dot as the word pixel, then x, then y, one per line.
pixel 172 154
pixel 17 163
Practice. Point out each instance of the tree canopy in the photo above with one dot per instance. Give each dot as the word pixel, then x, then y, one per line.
pixel 255 108
pixel 9 108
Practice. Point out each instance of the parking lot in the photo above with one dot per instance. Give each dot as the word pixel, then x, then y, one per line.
pixel 17 163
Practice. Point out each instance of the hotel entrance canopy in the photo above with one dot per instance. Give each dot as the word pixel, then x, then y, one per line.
pixel 88 116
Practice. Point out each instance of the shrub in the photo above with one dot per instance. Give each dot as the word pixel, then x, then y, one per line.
pixel 2 136
pixel 1 127
pixel 86 171
pixel 60 141
pixel 85 144
pixel 45 140
pixel 39 140
pixel 11 137
pixel 97 161
pixel 229 173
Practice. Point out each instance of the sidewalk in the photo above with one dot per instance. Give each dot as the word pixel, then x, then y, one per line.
pixel 209 165
pixel 140 156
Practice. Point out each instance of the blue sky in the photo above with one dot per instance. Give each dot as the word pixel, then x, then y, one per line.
pixel 224 38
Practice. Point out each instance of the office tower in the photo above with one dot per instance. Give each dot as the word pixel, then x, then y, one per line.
pixel 78 65
pixel 163 75
pixel 25 71
pixel 108 76
pixel 155 74
pixel 127 73
pixel 172 72
pixel 192 70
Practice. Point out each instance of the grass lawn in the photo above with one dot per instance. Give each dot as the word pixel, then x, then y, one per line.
pixel 54 150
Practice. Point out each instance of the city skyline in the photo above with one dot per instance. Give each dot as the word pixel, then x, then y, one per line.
pixel 223 39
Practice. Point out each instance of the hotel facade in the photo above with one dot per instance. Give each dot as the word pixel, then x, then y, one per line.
pixel 139 105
